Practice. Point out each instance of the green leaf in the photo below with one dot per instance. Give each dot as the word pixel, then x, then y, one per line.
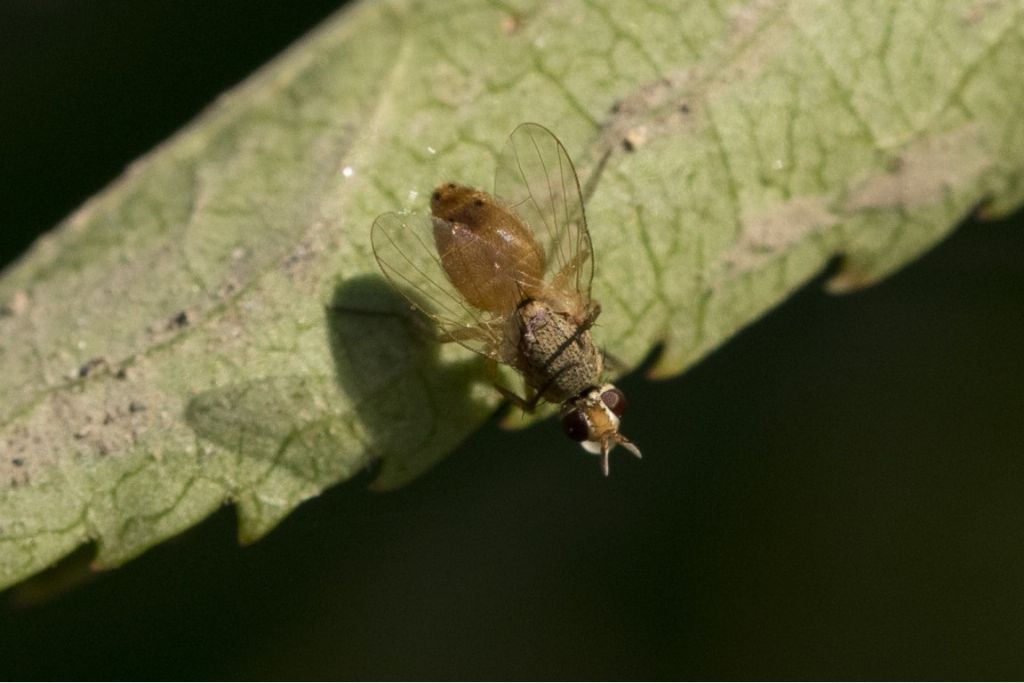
pixel 212 328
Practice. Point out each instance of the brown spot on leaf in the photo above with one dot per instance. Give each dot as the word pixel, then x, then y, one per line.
pixel 924 171
pixel 17 305
pixel 91 366
pixel 510 24
pixel 634 138
pixel 777 228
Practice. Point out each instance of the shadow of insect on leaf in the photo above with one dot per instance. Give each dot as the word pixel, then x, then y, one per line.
pixel 415 408
pixel 390 400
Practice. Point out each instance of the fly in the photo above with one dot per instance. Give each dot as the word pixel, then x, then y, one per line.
pixel 508 275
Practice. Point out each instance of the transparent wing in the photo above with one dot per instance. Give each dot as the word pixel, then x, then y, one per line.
pixel 406 252
pixel 536 178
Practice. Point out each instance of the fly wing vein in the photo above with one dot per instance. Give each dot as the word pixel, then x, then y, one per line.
pixel 551 206
pixel 409 260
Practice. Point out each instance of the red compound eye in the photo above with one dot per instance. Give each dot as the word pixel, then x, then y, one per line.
pixel 615 400
pixel 575 426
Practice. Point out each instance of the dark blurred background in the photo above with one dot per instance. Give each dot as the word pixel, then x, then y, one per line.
pixel 838 492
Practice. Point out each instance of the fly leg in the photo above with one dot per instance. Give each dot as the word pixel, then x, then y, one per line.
pixel 527 404
pixel 618 366
pixel 588 322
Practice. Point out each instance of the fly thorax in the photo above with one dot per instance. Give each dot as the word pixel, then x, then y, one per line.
pixel 556 355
